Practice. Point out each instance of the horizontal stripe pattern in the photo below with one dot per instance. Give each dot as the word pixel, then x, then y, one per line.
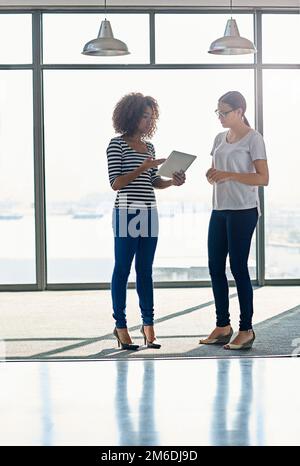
pixel 122 159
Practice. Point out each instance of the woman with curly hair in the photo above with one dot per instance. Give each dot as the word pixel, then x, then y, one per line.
pixel 132 170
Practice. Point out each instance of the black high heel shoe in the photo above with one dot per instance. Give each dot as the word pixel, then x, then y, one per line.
pixel 124 346
pixel 150 344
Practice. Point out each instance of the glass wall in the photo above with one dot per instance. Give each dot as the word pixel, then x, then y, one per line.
pixel 282 197
pixel 64 36
pixel 78 102
pixel 281 38
pixel 17 223
pixel 15 38
pixel 281 91
pixel 79 234
pixel 186 38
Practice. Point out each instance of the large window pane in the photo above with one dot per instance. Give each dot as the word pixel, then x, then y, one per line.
pixel 79 233
pixel 186 38
pixel 17 229
pixel 281 129
pixel 64 36
pixel 15 38
pixel 281 38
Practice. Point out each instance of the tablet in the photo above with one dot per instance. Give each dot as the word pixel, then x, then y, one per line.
pixel 175 162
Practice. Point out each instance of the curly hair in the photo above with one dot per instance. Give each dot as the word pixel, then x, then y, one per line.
pixel 129 111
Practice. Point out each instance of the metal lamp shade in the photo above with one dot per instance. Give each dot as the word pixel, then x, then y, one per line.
pixel 232 43
pixel 105 44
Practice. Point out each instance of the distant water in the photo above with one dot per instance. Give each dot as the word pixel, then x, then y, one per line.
pixel 81 250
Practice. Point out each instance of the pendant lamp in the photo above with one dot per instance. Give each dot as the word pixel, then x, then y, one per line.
pixel 231 43
pixel 105 45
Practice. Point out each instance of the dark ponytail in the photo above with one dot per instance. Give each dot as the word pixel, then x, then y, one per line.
pixel 236 100
pixel 246 121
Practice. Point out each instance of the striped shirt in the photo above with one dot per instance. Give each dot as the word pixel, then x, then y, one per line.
pixel 122 159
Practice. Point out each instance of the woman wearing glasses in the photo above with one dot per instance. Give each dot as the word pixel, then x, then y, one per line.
pixel 132 170
pixel 239 166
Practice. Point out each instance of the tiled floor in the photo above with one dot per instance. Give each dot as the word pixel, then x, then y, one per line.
pixel 161 402
pixel 141 402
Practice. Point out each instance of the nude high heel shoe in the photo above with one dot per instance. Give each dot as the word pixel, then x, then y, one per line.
pixel 247 345
pixel 221 340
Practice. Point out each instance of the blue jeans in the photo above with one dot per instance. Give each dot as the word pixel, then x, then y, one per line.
pixel 136 234
pixel 230 231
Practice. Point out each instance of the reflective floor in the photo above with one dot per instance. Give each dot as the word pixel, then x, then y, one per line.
pixel 158 402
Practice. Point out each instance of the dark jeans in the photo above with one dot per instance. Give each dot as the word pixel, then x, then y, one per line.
pixel 230 231
pixel 135 235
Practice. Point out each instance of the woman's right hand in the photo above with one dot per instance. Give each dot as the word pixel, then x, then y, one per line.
pixel 208 173
pixel 150 162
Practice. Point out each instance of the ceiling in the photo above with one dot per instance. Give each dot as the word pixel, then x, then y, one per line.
pixel 154 3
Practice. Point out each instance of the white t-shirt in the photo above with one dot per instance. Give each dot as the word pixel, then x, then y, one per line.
pixel 237 157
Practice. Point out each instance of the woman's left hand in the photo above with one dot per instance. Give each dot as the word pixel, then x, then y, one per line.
pixel 178 178
pixel 217 176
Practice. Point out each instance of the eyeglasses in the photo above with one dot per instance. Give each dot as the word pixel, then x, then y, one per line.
pixel 223 114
